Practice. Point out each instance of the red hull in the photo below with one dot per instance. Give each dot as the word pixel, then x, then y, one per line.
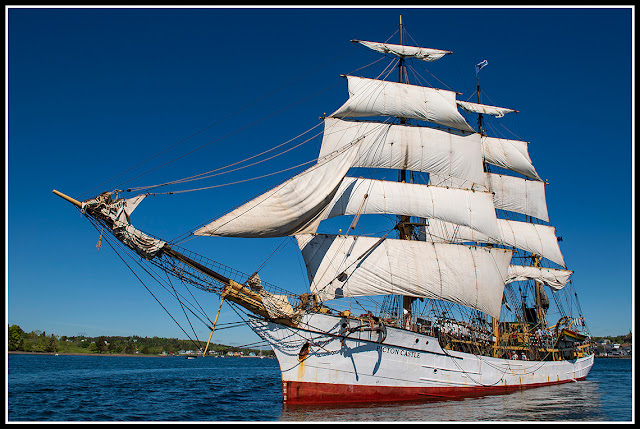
pixel 294 392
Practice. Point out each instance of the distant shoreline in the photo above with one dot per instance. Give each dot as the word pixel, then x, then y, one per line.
pixel 184 356
pixel 16 352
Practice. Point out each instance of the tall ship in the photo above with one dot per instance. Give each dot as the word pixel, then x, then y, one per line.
pixel 464 292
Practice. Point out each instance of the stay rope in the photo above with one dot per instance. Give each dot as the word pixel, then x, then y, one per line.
pixel 208 174
pixel 217 122
pixel 222 119
pixel 108 240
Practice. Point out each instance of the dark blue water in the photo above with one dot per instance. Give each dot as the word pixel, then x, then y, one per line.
pixel 108 388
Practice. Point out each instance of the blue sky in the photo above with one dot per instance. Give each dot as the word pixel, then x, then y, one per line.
pixel 94 91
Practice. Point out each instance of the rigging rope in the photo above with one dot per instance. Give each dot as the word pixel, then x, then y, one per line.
pixel 220 120
pixel 182 306
pixel 203 175
pixel 108 240
pixel 226 135
pixel 228 116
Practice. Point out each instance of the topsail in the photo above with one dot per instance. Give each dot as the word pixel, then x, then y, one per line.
pixel 498 112
pixel 372 97
pixel 403 147
pixel 403 51
pixel 509 154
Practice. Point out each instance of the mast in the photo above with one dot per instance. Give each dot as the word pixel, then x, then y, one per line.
pixel 480 125
pixel 495 323
pixel 404 228
pixel 540 311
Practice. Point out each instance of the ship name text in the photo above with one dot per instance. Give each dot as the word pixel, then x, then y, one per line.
pixel 400 352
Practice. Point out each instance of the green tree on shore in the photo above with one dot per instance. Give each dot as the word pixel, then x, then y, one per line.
pixel 16 338
pixel 39 342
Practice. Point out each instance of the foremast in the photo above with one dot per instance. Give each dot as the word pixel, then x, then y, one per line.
pixel 405 229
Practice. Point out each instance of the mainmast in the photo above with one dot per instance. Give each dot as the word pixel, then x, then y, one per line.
pixel 404 227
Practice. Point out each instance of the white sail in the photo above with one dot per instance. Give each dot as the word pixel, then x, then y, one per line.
pixel 460 206
pixel 455 182
pixel 341 266
pixel 498 112
pixel 423 54
pixel 295 206
pixel 509 193
pixel 533 238
pixel 554 278
pixel 372 97
pixel 510 154
pixel 518 195
pixel 403 147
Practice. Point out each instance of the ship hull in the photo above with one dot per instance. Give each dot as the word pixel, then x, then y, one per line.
pixel 322 362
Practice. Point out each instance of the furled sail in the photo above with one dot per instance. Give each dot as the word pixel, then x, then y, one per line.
pixel 554 278
pixel 342 266
pixel 498 112
pixel 509 192
pixel 460 206
pixel 424 54
pixel 372 97
pixel 510 154
pixel 403 147
pixel 533 238
pixel 118 215
pixel 295 206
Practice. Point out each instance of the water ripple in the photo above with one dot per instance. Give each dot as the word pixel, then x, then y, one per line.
pixel 94 388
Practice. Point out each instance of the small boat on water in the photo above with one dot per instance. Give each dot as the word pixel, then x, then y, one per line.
pixel 437 304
